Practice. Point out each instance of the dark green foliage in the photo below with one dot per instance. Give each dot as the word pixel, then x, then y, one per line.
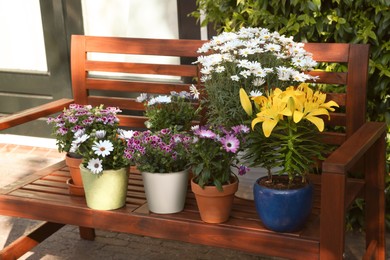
pixel 352 21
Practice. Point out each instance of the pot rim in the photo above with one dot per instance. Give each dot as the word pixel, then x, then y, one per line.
pixel 308 185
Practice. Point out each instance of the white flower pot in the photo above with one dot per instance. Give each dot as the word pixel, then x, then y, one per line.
pixel 246 182
pixel 165 192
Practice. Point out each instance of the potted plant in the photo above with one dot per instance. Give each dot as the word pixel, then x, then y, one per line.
pixel 176 109
pixel 104 168
pixel 162 158
pixel 255 59
pixel 285 129
pixel 71 124
pixel 213 153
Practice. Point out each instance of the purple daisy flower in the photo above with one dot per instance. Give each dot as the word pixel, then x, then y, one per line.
pixel 230 143
pixel 204 133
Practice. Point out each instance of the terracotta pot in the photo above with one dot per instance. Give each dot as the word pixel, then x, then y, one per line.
pixel 214 205
pixel 74 189
pixel 105 191
pixel 74 169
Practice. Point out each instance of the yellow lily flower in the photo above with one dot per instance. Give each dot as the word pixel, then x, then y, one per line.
pixel 245 102
pixel 312 107
pixel 271 112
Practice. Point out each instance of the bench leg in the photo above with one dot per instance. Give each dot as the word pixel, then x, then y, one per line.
pixel 25 243
pixel 332 224
pixel 375 199
pixel 87 233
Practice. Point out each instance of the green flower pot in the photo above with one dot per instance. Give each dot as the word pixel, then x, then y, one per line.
pixel 106 191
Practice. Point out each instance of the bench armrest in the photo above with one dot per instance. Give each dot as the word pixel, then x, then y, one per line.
pixel 34 113
pixel 343 158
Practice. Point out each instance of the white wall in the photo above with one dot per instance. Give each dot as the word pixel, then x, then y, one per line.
pixel 131 18
pixel 21 42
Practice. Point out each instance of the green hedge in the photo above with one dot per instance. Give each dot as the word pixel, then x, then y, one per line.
pixel 352 21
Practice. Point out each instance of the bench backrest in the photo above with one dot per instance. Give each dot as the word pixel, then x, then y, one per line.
pixel 91 86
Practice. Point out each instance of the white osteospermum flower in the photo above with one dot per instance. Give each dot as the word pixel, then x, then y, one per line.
pixel 103 148
pixel 220 69
pixel 81 139
pixel 159 100
pixel 142 97
pixel 235 78
pixel 194 91
pixel 95 166
pixel 79 133
pixel 125 134
pixel 300 77
pixel 284 73
pixel 73 148
pixel 163 99
pixel 255 93
pixel 100 134
pixel 272 47
pixel 258 82
pixel 245 73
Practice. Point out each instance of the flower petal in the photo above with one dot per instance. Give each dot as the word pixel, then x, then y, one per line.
pixel 268 126
pixel 298 115
pixel 318 122
pixel 245 102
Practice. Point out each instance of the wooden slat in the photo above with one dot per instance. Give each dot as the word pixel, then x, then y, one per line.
pixel 339 98
pixel 122 103
pixel 333 138
pixel 136 86
pixel 341 160
pixel 325 52
pixel 142 68
pixel 166 47
pixel 132 121
pixel 330 77
pixel 34 113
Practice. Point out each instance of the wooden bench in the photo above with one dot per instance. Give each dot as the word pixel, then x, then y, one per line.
pixel 44 195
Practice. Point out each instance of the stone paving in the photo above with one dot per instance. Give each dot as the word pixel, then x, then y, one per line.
pixel 66 244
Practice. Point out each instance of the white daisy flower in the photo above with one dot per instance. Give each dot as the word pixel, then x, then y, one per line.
pixel 100 134
pixel 81 139
pixel 235 78
pixel 95 166
pixel 142 97
pixel 103 148
pixel 125 134
pixel 255 93
pixel 79 133
pixel 194 91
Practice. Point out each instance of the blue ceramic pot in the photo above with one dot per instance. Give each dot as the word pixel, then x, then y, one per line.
pixel 283 210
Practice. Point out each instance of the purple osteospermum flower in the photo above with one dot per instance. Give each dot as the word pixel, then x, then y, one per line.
pixel 240 129
pixel 165 131
pixel 230 143
pixel 62 131
pixel 203 133
pixel 242 170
